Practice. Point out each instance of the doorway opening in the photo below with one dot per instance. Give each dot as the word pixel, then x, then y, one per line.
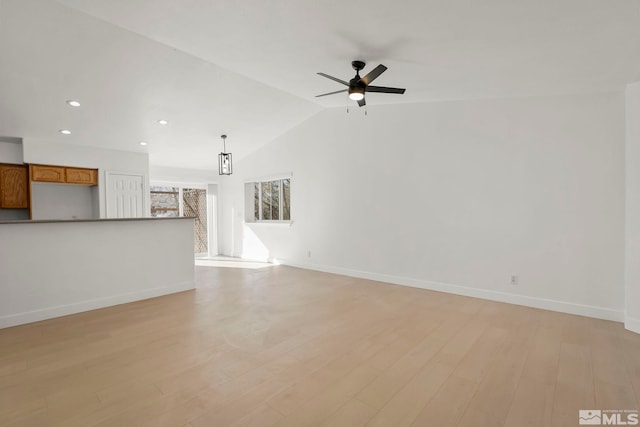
pixel 194 203
pixel 178 200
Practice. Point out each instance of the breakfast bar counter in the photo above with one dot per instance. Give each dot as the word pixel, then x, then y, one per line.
pixel 51 268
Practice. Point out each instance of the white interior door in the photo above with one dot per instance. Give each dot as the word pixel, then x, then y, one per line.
pixel 125 195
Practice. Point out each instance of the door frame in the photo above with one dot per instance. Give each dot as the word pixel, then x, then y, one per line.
pixel 212 198
pixel 213 202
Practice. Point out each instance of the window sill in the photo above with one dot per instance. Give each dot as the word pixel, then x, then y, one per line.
pixel 270 223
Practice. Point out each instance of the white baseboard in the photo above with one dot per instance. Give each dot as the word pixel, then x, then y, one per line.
pixel 78 307
pixel 542 303
pixel 632 324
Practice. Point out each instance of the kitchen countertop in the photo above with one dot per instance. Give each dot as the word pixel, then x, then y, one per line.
pixel 48 221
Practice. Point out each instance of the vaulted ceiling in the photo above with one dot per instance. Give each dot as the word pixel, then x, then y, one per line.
pixel 248 67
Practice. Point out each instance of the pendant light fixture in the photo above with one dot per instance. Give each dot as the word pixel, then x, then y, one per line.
pixel 224 159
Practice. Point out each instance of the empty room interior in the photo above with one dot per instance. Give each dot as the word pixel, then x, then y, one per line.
pixel 319 213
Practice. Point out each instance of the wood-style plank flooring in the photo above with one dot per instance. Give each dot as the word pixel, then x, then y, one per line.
pixel 288 347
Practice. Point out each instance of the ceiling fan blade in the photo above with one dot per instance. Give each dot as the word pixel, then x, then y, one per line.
pixel 373 74
pixel 362 102
pixel 332 93
pixel 383 89
pixel 335 79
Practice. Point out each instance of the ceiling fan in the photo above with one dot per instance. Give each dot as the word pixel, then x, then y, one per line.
pixel 359 85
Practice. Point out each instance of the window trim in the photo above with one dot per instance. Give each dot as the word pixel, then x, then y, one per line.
pixel 266 178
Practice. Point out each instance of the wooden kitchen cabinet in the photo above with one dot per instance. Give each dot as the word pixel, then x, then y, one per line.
pixel 81 176
pixel 42 173
pixel 64 175
pixel 14 187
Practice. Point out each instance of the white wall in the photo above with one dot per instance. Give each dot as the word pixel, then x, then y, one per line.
pixel 632 253
pixel 62 201
pixel 181 175
pixel 86 265
pixel 14 214
pixel 213 223
pixel 455 196
pixel 10 150
pixel 50 153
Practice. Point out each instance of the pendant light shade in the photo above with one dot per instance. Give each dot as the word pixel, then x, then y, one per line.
pixel 225 166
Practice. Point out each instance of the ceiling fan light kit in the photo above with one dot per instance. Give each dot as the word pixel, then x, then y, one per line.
pixel 358 86
pixel 356 94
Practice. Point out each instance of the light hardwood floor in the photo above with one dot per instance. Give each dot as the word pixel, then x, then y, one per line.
pixel 288 347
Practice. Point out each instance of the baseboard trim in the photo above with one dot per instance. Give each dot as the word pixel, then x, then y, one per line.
pixel 632 324
pixel 528 301
pixel 79 307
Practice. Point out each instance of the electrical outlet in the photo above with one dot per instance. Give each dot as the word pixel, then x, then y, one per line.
pixel 309 253
pixel 514 280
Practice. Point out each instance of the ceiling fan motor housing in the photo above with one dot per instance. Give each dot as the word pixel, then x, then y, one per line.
pixel 356 85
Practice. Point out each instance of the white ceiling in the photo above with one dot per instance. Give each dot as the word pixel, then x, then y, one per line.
pixel 247 68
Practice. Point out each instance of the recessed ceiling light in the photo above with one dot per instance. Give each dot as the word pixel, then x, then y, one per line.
pixel 73 103
pixel 65 131
pixel 163 122
pixel 143 143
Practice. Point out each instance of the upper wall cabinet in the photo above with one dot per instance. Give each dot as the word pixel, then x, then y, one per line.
pixel 42 173
pixel 81 176
pixel 14 187
pixel 64 175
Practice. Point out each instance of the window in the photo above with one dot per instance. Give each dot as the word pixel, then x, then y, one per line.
pixel 271 200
